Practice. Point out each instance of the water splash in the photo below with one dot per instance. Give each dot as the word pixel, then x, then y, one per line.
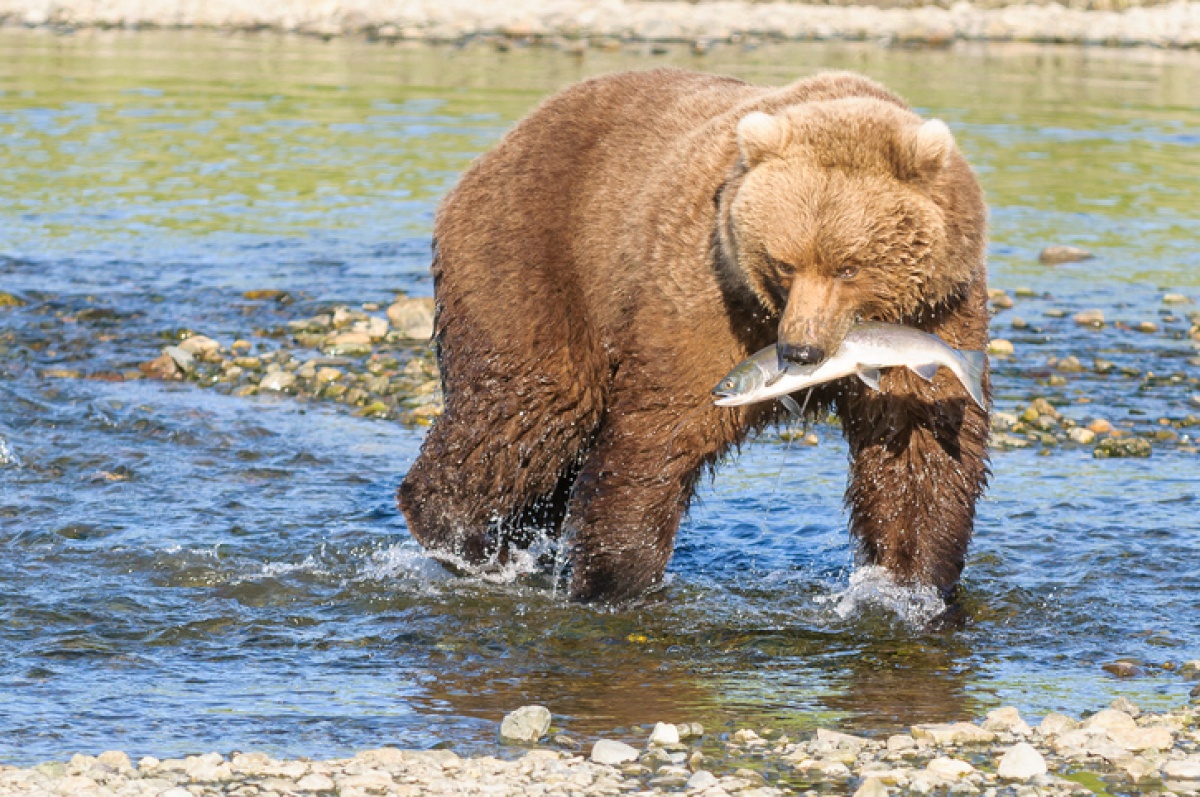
pixel 872 588
pixel 8 455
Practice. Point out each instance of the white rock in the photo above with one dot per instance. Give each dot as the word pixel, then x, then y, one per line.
pixel 1136 739
pixel 182 357
pixel 1186 769
pixel 526 724
pixel 1126 705
pixel 702 779
pixel 953 733
pixel 200 346
pixel 278 381
pixel 900 741
pixel 177 791
pixel 412 318
pixel 1021 762
pixel 872 787
pixel 949 768
pixel 612 753
pixel 1054 724
pixel 1110 719
pixel 664 733
pixel 1006 719
pixel 1081 435
pixel 840 741
pixel 316 782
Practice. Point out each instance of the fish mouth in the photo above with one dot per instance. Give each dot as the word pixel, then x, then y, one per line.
pixel 725 398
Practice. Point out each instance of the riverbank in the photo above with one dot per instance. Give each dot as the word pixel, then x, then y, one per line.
pixel 580 23
pixel 1119 749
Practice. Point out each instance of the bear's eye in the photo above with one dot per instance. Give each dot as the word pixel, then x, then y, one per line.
pixel 847 272
pixel 782 267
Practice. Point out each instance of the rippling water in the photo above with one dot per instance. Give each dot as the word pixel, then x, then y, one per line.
pixel 185 571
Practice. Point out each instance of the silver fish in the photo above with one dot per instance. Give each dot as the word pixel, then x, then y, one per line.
pixel 866 348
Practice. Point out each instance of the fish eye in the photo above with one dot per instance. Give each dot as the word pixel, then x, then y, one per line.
pixel 847 272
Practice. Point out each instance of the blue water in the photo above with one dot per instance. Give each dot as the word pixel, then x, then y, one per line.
pixel 186 571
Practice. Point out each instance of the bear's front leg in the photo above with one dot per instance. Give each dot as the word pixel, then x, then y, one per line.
pixel 632 491
pixel 918 465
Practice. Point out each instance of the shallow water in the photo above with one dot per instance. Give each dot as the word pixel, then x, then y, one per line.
pixel 186 571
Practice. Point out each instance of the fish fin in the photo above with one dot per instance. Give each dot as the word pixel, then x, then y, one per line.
pixel 976 362
pixel 926 372
pixel 870 377
pixel 791 405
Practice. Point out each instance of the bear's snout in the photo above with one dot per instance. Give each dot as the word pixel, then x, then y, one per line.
pixel 806 354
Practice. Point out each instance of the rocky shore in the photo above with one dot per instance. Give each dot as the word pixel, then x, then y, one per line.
pixel 1119 749
pixel 605 23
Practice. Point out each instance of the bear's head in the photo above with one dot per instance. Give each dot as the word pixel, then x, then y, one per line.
pixel 845 210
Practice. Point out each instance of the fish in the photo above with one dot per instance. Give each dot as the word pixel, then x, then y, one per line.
pixel 867 348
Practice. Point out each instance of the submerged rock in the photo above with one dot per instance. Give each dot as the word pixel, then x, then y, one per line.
pixel 1116 447
pixel 1061 253
pixel 1089 318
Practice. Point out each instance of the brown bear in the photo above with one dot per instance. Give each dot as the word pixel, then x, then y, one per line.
pixel 629 242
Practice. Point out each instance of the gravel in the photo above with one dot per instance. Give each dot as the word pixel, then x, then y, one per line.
pixel 953 757
pixel 1175 24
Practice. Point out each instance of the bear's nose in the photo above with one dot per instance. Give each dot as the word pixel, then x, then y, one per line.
pixel 800 355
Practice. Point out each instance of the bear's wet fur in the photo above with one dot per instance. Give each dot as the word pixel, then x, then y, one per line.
pixel 634 238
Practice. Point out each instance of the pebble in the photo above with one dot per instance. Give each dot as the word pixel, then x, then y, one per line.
pixel 526 724
pixel 1089 318
pixel 1021 762
pixel 1175 298
pixel 1118 447
pixel 1187 769
pixel 999 347
pixel 611 752
pixel 830 761
pixel 953 733
pixel 200 346
pixel 656 26
pixel 1070 365
pixel 1006 718
pixel 183 358
pixel 1060 253
pixel 11 300
pixel 1081 435
pixel 412 318
pixel 949 768
pixel 701 780
pixel 664 733
pixel 278 381
pixel 872 787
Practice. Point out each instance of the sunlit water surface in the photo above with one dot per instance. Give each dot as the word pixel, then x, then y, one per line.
pixel 184 571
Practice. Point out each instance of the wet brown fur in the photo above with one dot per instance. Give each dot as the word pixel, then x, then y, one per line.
pixel 623 247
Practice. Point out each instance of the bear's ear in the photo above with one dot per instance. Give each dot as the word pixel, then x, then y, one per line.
pixel 932 146
pixel 761 136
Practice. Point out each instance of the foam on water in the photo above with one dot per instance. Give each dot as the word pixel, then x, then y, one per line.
pixel 871 589
pixel 8 456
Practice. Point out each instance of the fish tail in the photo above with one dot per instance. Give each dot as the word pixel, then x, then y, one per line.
pixel 975 362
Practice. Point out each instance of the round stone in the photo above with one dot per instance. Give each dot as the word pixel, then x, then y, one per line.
pixel 1021 762
pixel 613 753
pixel 526 724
